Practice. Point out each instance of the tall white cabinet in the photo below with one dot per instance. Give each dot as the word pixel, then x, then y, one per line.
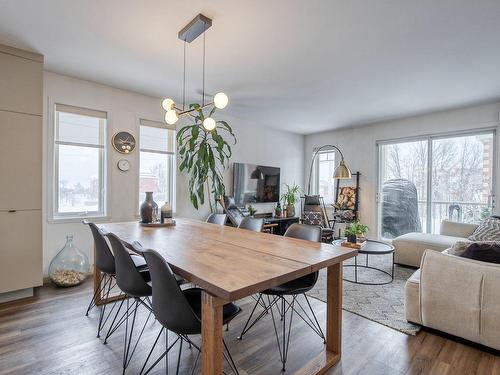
pixel 21 109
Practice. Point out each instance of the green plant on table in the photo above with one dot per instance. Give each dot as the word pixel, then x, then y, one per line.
pixel 204 154
pixel 356 229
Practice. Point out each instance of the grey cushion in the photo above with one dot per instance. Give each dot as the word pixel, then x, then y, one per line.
pixel 488 230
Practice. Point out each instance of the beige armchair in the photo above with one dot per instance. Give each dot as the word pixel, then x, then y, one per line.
pixel 410 247
pixel 456 295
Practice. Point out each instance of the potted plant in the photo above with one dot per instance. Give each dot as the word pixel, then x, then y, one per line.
pixel 204 154
pixel 355 230
pixel 251 210
pixel 290 197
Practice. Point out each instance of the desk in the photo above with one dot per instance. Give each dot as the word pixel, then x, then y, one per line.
pixel 231 263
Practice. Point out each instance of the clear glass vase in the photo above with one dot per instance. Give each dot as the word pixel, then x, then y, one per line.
pixel 70 266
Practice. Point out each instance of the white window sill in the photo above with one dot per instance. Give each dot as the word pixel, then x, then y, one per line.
pixel 77 219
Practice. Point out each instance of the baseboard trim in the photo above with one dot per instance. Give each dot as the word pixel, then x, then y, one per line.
pixel 15 295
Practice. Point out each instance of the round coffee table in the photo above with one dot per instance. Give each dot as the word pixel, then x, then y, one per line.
pixel 372 247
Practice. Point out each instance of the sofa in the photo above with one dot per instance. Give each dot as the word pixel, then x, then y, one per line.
pixel 455 295
pixel 410 247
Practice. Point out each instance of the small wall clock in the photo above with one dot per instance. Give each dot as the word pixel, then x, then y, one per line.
pixel 123 165
pixel 123 142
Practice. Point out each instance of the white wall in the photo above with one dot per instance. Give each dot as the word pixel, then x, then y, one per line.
pixel 359 144
pixel 255 145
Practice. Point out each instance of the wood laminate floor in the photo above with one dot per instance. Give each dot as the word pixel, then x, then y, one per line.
pixel 50 335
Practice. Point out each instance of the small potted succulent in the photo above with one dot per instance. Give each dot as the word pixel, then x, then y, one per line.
pixel 251 210
pixel 290 197
pixel 355 230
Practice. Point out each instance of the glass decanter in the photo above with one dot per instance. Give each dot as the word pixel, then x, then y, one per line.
pixel 70 266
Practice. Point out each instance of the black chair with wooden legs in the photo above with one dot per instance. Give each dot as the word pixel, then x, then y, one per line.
pixel 275 298
pixel 179 311
pixel 134 283
pixel 105 263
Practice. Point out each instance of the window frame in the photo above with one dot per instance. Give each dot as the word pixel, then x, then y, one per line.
pixel 53 216
pixel 429 138
pixel 315 179
pixel 143 121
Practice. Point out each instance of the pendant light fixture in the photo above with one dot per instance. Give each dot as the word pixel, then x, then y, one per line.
pixel 198 26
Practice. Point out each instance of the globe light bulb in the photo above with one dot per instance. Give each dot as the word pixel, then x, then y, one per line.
pixel 209 123
pixel 171 117
pixel 168 104
pixel 220 100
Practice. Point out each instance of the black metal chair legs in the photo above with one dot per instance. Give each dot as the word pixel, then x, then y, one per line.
pixel 128 349
pixel 283 306
pixel 106 284
pixel 181 339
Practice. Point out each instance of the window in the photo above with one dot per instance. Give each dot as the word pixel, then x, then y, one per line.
pixel 157 158
pixel 425 181
pixel 79 162
pixel 325 167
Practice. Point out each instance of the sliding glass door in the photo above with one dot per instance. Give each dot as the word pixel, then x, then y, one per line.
pixel 462 178
pixel 423 181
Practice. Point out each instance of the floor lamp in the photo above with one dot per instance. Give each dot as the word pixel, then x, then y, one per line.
pixel 342 172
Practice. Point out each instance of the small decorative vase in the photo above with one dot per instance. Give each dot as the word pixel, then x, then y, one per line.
pixel 290 210
pixel 277 211
pixel 70 266
pixel 166 212
pixel 352 238
pixel 149 209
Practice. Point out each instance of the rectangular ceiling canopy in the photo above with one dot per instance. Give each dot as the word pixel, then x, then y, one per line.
pixel 195 28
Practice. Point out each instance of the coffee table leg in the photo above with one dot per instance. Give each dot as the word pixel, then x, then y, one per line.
pixel 392 274
pixel 356 269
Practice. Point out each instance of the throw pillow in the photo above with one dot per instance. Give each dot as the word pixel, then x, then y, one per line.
pixel 488 230
pixel 313 218
pixel 485 252
pixel 459 248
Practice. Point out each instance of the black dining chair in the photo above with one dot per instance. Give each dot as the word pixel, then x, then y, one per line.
pixel 105 263
pixel 252 223
pixel 179 311
pixel 275 297
pixel 219 219
pixel 135 283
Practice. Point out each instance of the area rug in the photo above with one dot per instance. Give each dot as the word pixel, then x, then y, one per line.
pixel 383 304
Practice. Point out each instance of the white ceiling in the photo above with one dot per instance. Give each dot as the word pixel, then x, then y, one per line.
pixel 300 65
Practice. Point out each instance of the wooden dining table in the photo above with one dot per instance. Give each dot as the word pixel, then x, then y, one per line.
pixel 231 263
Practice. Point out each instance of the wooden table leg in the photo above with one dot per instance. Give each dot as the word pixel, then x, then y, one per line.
pixel 332 353
pixel 211 334
pixel 334 309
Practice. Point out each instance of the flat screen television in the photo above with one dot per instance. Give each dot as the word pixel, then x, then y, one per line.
pixel 255 184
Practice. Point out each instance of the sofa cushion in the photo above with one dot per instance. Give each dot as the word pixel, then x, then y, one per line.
pixel 484 252
pixel 452 228
pixel 411 246
pixel 488 230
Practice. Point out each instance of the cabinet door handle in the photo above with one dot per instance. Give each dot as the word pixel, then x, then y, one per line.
pixel 12 211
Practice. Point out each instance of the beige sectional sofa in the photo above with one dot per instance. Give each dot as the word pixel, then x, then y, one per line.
pixel 456 295
pixel 410 247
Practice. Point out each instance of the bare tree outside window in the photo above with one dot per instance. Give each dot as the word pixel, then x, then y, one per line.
pixel 461 174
